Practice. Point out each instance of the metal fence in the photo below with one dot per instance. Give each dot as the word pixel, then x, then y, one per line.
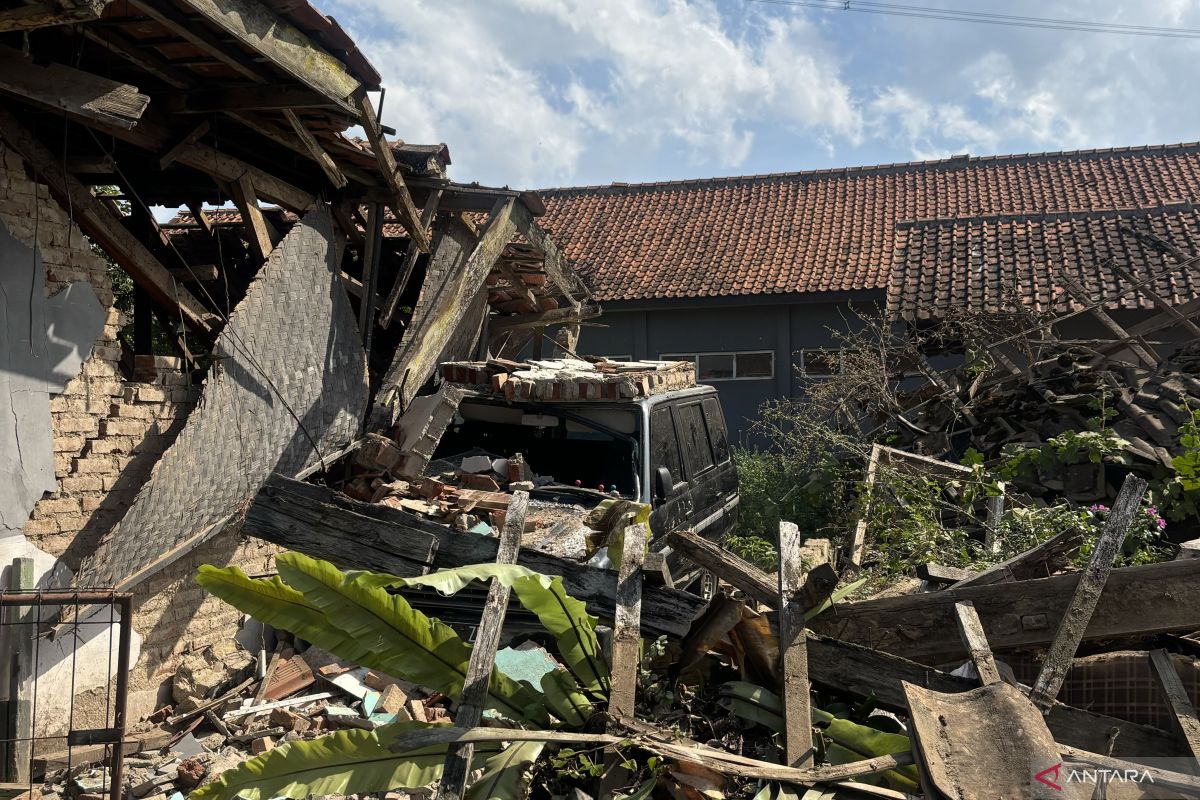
pixel 48 639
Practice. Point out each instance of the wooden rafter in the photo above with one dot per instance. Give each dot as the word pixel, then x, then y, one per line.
pixel 188 138
pixel 98 223
pixel 282 138
pixel 29 16
pixel 410 262
pixel 314 149
pixel 170 19
pixel 77 93
pixel 258 97
pixel 401 201
pixel 138 54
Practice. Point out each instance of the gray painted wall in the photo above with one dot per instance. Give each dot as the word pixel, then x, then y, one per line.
pixel 783 326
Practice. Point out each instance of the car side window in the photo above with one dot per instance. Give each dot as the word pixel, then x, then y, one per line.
pixel 715 421
pixel 664 447
pixel 693 435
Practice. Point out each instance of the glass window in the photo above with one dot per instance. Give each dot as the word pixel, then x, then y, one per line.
pixel 821 363
pixel 756 365
pixel 693 436
pixel 715 421
pixel 715 366
pixel 664 446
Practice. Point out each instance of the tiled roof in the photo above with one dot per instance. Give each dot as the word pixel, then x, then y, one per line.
pixel 830 230
pixel 985 263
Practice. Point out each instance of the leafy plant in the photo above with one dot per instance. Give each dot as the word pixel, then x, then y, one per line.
pixel 354 616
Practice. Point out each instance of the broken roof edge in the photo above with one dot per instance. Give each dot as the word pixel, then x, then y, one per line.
pixel 951 162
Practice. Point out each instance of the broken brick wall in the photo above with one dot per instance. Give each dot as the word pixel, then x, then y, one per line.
pixel 107 434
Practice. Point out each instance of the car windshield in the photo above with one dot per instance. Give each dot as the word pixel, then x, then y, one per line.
pixel 592 447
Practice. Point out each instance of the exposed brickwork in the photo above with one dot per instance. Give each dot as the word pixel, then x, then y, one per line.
pixel 108 434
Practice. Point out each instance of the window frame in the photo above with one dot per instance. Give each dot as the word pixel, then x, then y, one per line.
pixel 695 359
pixel 841 362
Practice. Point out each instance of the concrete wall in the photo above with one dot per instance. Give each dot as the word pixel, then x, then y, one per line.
pixel 783 327
pixel 102 436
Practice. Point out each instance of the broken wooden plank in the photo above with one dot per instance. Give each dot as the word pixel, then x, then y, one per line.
pixel 373 238
pixel 793 651
pixel 71 91
pixel 942 575
pixel 323 523
pixel 30 15
pixel 249 711
pixel 1038 562
pixel 1177 698
pixel 1156 776
pixel 501 326
pixel 973 637
pixel 401 201
pixel 98 223
pixel 727 566
pixel 859 542
pixel 1087 593
pixel 483 654
pixel 627 635
pixel 1136 601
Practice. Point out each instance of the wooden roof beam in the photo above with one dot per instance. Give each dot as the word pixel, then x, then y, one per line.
pixel 97 222
pixel 258 230
pixel 279 136
pixel 61 88
pixel 264 97
pixel 401 201
pixel 315 151
pixel 138 54
pixel 170 18
pixel 258 28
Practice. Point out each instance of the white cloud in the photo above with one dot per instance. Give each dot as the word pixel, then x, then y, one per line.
pixel 539 92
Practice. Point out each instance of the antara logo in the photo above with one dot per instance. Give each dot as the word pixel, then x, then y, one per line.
pixel 1044 777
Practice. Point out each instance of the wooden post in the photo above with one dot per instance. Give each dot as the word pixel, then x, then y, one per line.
pixel 20 625
pixel 1087 594
pixel 971 631
pixel 625 653
pixel 1177 697
pixel 483 656
pixel 793 651
pixel 860 530
pixel 374 244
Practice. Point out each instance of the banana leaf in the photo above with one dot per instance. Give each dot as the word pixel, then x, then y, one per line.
pixel 506 774
pixel 566 618
pixel 828 602
pixel 344 762
pixel 564 699
pixel 365 625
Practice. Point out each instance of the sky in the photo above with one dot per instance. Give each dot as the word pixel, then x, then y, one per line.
pixel 543 93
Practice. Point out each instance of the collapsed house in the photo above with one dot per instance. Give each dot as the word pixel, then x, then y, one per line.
pixel 322 339
pixel 258 347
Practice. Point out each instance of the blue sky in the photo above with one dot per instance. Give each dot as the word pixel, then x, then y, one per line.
pixel 538 93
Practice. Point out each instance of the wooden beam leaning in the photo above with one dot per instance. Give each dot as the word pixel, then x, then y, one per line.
pixel 402 203
pixel 258 230
pixel 1177 698
pixel 558 316
pixel 175 149
pixel 727 566
pixel 1087 594
pixel 255 26
pixel 323 159
pixel 410 261
pixel 97 222
pixel 627 624
pixel 483 655
pixel 75 92
pixel 371 254
pixel 971 631
pixel 793 650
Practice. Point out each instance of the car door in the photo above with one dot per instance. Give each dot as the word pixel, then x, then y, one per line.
pixel 670 500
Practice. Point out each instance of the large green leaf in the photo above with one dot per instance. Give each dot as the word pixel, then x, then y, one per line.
pixel 506 774
pixel 564 699
pixel 389 635
pixel 344 762
pixel 566 618
pixel 827 603
pixel 573 628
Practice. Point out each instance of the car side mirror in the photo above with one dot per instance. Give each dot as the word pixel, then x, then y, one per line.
pixel 664 484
